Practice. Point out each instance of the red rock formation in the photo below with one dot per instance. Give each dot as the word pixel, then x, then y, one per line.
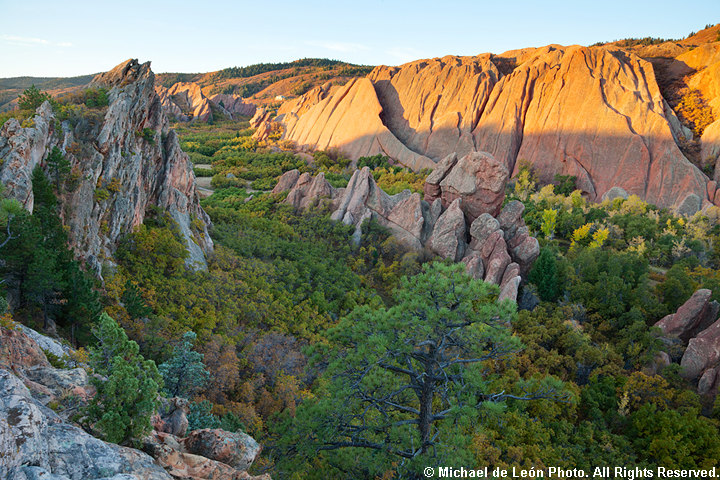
pixel 693 316
pixel 493 254
pixel 595 113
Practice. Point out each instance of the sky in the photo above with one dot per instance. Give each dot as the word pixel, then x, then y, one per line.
pixel 69 38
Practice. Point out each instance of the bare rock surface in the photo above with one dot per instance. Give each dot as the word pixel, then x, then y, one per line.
pixel 595 113
pixel 693 316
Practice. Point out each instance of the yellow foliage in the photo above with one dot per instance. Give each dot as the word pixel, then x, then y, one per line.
pixel 694 110
pixel 599 238
pixel 6 321
pixel 637 244
pixel 581 233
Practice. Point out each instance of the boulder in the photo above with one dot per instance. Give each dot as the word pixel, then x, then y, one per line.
pixel 497 262
pixel 509 290
pixel 481 229
pixel 235 449
pixel 474 265
pixel 448 236
pixel 510 218
pixel 479 179
pixel 172 416
pixel 693 316
pixel 286 181
pixel 702 352
pixel 432 188
pixel 526 252
pixel 707 381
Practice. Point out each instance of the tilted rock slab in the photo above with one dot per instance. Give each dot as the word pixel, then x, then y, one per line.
pixel 692 317
pixel 595 113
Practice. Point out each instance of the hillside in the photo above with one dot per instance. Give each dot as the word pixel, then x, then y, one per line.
pixel 11 88
pixel 603 115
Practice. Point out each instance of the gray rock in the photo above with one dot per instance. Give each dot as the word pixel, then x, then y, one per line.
pixel 615 192
pixel 689 206
pixel 137 172
pixel 35 435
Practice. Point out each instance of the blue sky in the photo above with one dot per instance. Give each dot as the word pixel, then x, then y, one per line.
pixel 67 38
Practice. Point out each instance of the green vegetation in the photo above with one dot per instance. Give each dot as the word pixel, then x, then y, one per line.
pixel 37 263
pixel 257 69
pixel 127 397
pixel 184 374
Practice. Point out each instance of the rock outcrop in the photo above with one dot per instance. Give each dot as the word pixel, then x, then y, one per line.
pixel 595 113
pixel 693 316
pixel 497 248
pixel 185 101
pixel 125 162
pixel 38 443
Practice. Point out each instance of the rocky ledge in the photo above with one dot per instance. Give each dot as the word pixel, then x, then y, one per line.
pixel 39 441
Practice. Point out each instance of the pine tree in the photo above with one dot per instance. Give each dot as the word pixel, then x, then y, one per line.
pixel 184 374
pixel 59 167
pixel 544 276
pixel 127 398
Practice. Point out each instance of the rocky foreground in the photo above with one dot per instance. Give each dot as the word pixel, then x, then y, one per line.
pixel 460 216
pixel 38 440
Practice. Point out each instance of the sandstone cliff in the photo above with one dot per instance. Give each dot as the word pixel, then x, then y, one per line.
pixel 595 113
pixel 124 162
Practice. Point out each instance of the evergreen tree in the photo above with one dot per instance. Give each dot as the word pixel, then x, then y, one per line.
pixel 59 167
pixel 544 275
pixel 406 375
pixel 32 98
pixel 184 374
pixel 127 397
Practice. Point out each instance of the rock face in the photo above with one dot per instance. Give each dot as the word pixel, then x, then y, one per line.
pixel 130 154
pixel 32 434
pixel 495 249
pixel 595 113
pixel 702 352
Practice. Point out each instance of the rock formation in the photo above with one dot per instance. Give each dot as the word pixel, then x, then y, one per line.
pixel 38 443
pixel 458 226
pixel 185 101
pixel 595 113
pixel 693 316
pixel 696 324
pixel 130 154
